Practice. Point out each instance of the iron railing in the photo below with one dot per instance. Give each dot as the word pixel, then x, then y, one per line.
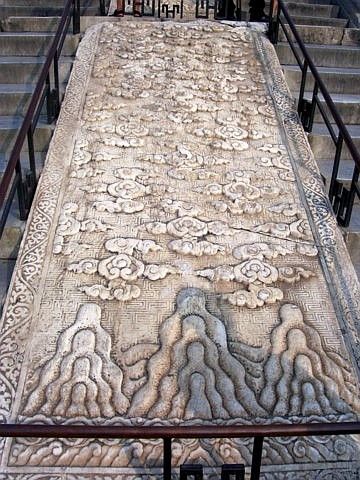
pixel 216 9
pixel 46 90
pixel 341 197
pixel 167 433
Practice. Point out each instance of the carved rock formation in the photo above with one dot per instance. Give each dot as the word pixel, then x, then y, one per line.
pixel 81 378
pixel 193 374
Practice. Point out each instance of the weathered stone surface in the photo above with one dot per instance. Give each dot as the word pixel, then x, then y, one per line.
pixel 181 264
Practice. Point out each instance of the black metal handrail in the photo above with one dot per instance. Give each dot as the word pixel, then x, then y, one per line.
pixel 13 179
pixel 167 433
pixel 342 198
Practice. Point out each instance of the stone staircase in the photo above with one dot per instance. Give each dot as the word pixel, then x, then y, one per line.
pixel 335 48
pixel 27 29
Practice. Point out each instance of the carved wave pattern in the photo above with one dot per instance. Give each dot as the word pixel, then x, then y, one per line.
pixel 194 374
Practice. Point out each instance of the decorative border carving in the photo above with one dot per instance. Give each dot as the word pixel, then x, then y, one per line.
pixel 342 282
pixel 31 263
pixel 19 309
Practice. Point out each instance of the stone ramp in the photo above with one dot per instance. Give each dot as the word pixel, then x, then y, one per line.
pixel 181 264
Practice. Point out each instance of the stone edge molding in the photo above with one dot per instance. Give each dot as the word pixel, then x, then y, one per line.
pixel 336 263
pixel 22 302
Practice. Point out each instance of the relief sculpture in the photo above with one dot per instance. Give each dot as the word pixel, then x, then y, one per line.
pixel 80 380
pixel 194 373
pixel 180 274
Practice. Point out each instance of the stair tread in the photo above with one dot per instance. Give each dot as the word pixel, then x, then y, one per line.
pixel 313 46
pixel 334 21
pixel 24 158
pixel 29 34
pixel 4 59
pixel 339 97
pixel 15 121
pixel 346 169
pixel 321 129
pixel 342 70
pixel 17 87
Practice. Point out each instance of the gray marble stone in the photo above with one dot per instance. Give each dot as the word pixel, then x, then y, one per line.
pixel 181 264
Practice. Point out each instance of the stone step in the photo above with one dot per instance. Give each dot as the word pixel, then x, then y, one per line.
pixel 9 126
pixel 352 238
pixel 29 69
pixel 323 55
pixel 10 240
pixel 337 80
pixel 24 159
pixel 49 11
pixel 6 269
pixel 47 3
pixel 325 35
pixel 30 43
pixel 47 24
pixel 345 173
pixel 14 227
pixel 14 98
pixel 311 9
pixel 30 24
pixel 323 146
pixel 313 2
pixel 347 105
pixel 330 21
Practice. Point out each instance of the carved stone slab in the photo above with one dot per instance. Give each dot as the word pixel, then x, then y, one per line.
pixel 181 265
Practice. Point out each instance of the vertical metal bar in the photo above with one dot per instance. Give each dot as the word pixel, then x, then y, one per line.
pixel 31 148
pixel 351 197
pixel 304 70
pixel 167 458
pixel 256 458
pixel 313 108
pixel 76 17
pixel 56 93
pixel 49 111
pixel 274 19
pixel 7 205
pixel 238 10
pixel 21 192
pixel 335 170
pixel 102 8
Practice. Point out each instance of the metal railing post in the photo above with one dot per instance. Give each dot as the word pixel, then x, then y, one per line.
pixel 336 165
pixel 350 198
pixel 49 111
pixel 21 192
pixel 256 458
pixel 76 17
pixel 32 176
pixel 56 92
pixel 273 32
pixel 304 70
pixel 310 121
pixel 167 458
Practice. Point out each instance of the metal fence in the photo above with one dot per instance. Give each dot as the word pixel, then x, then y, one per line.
pixel 168 433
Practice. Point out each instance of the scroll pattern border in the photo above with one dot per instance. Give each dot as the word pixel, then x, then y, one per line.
pixel 343 281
